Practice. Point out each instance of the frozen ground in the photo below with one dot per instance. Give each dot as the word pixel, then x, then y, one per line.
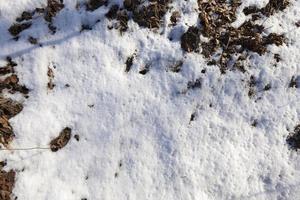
pixel 136 138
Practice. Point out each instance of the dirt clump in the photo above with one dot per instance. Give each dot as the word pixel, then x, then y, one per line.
pixel 150 16
pixel 95 4
pixel 175 17
pixel 17 28
pixel 25 16
pixel 194 84
pixel 190 40
pixel 129 62
pixel 295 82
pixel 176 67
pixel 271 8
pixel 120 15
pixel 50 74
pixel 145 69
pixel 52 8
pixel 112 13
pixel 32 40
pixel 62 140
pixel 7 182
pixel 293 140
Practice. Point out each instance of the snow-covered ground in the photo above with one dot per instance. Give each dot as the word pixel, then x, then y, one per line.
pixel 136 138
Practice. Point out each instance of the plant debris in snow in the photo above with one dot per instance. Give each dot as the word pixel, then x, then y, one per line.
pixel 95 4
pixel 271 8
pixel 53 7
pixel 216 18
pixel 8 107
pixel 129 62
pixel 295 82
pixel 50 75
pixel 49 12
pixel 62 140
pixel 17 28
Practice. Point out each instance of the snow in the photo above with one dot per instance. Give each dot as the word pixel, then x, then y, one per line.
pixel 141 121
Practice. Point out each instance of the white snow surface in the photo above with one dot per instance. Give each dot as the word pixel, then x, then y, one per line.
pixel 136 142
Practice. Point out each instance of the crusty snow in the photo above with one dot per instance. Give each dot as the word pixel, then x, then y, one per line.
pixel 136 138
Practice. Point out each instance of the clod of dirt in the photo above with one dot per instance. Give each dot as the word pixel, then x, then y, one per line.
pixel 53 7
pixel 7 182
pixel 131 5
pixel 275 6
pixel 252 86
pixel 86 27
pixel 251 10
pixel 52 28
pixel 175 17
pixel 194 84
pixel 122 18
pixel 149 16
pixel 112 13
pixel 10 62
pixel 32 40
pixel 17 28
pixel 50 75
pixel 274 38
pixel 62 140
pixel 7 69
pixel 177 66
pixel 145 70
pixel 295 82
pixel 11 84
pixel 77 138
pixel 297 24
pixel 293 140
pixel 271 8
pixel 9 108
pixel 6 131
pixel 2 164
pixel 193 116
pixel 120 15
pixel 277 57
pixel 267 87
pixel 129 63
pixel 25 16
pixel 190 40
pixel 95 4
